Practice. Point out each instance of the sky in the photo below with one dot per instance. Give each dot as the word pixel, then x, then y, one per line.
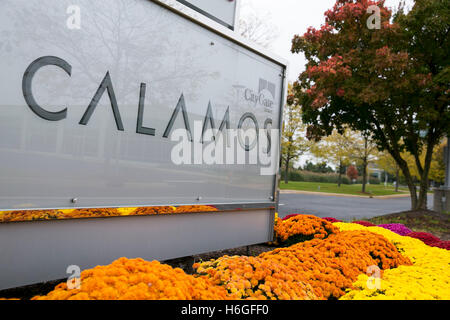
pixel 294 17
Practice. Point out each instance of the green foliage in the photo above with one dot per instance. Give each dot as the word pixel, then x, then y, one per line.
pixel 293 144
pixel 392 83
pixel 321 167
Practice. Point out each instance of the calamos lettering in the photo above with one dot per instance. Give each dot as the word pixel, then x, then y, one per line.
pixel 106 85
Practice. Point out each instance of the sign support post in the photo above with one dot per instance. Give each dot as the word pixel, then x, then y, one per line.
pixel 442 194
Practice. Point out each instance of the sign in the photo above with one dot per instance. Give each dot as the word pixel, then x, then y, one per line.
pixel 88 115
pixel 113 104
pixel 222 11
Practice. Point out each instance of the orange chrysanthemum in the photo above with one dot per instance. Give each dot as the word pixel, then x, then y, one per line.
pixel 333 264
pixel 138 279
pixel 256 278
pixel 301 228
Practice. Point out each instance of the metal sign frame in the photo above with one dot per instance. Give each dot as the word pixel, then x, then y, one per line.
pixel 235 24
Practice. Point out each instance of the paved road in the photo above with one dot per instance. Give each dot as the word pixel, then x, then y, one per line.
pixel 344 208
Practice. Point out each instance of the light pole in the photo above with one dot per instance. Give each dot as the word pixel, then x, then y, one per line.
pixel 447 165
pixel 442 195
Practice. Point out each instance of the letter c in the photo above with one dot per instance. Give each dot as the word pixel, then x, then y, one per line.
pixel 28 79
pixel 246 96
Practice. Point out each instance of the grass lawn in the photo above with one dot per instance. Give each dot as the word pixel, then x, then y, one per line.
pixel 354 189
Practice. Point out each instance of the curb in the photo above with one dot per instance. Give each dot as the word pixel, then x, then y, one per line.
pixel 394 196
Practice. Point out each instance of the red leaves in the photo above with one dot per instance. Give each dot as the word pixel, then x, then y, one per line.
pixel 354 11
pixel 340 92
pixel 335 65
pixel 332 70
pixel 346 10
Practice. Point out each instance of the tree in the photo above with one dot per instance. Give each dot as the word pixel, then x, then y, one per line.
pixel 293 144
pixel 256 27
pixel 391 82
pixel 335 149
pixel 352 173
pixel 364 151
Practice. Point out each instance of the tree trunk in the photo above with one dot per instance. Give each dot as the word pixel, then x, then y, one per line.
pixel 397 176
pixel 364 176
pixel 410 182
pixel 422 202
pixel 340 174
pixel 424 180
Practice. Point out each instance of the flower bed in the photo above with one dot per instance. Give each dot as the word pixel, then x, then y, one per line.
pixel 329 266
pixel 427 278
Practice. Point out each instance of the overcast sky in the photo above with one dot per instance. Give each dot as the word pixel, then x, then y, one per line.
pixel 294 17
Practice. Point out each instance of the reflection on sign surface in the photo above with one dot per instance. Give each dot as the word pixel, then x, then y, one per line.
pixel 95 126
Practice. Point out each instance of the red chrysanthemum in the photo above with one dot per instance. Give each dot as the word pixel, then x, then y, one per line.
pixel 426 237
pixel 365 223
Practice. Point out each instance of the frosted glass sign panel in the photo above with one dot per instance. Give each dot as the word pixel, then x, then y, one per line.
pixel 92 92
pixel 223 11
